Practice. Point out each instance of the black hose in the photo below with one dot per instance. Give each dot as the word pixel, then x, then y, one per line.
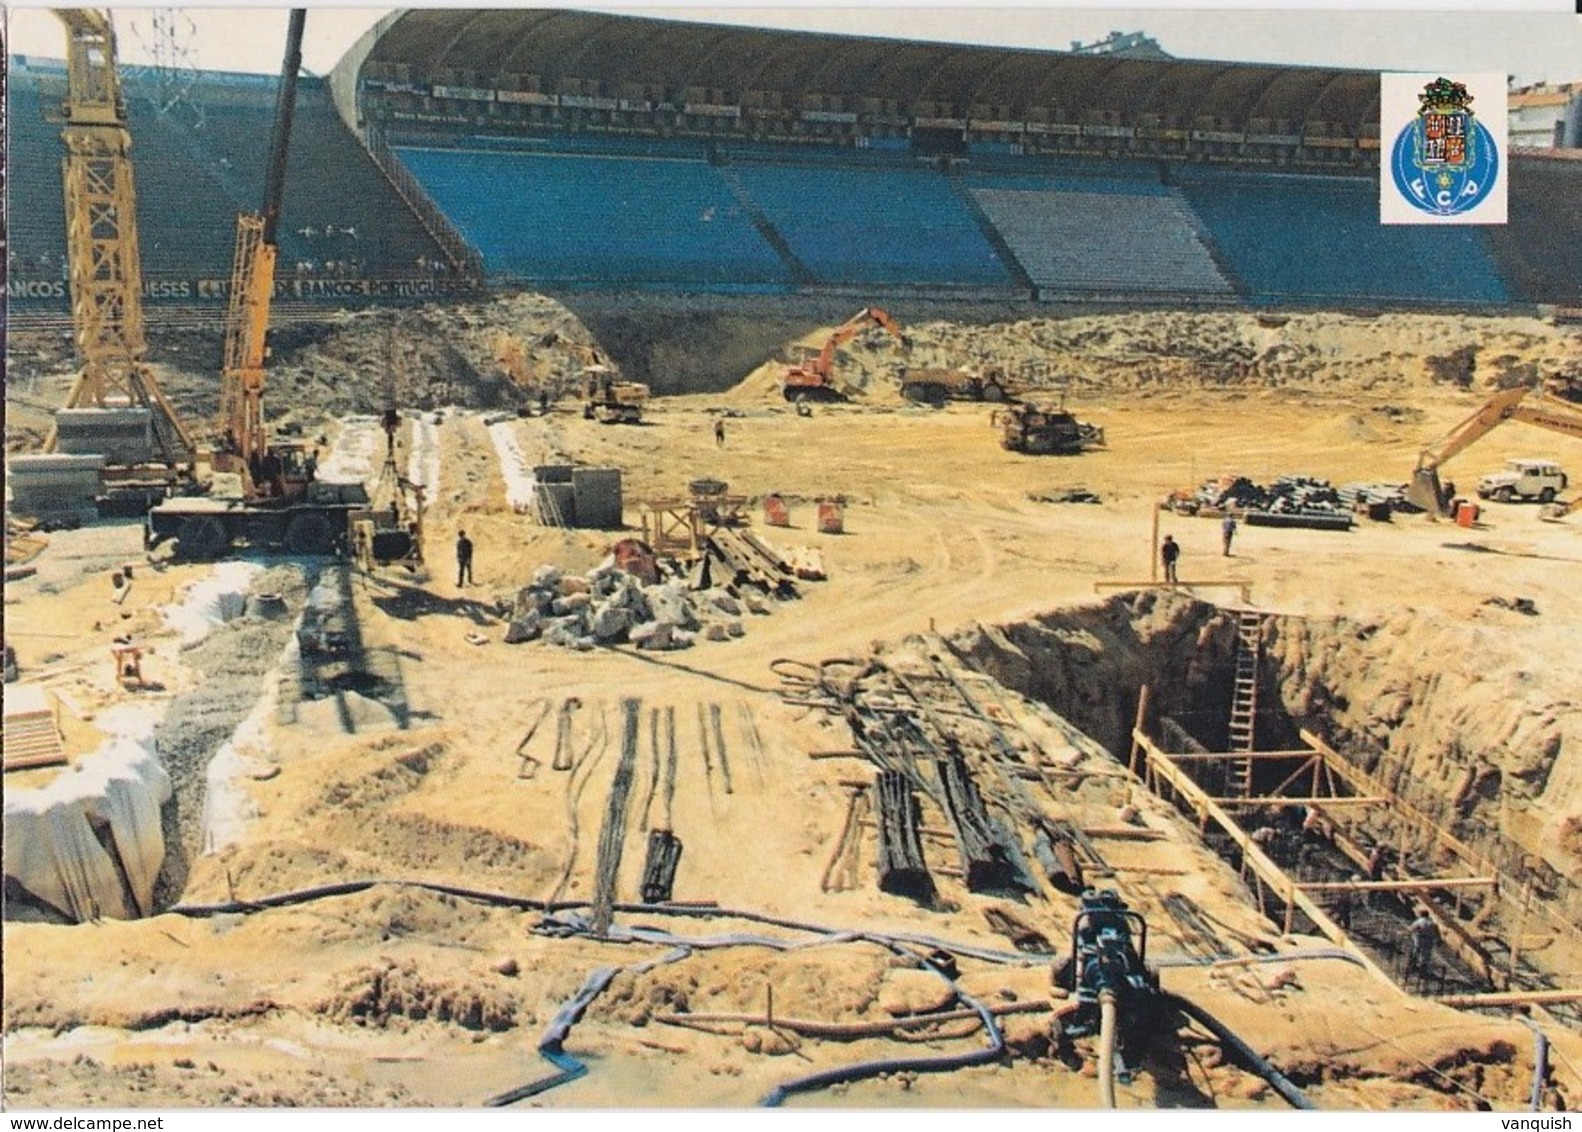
pixel 1278 1081
pixel 863 1070
pixel 504 900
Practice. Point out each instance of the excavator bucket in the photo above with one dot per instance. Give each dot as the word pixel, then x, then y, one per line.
pixel 1425 491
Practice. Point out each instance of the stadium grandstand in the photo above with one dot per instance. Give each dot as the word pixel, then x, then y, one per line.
pixel 566 150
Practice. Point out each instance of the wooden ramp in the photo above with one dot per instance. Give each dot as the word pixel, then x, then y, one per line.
pixel 32 731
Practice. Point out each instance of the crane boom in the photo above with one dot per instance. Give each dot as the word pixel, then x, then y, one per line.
pixel 102 242
pixel 252 289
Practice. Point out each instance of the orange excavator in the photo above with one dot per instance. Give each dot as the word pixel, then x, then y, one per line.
pixel 814 378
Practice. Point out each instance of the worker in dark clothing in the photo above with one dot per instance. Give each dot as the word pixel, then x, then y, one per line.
pixel 1345 903
pixel 1169 551
pixel 719 432
pixel 1422 938
pixel 1227 531
pixel 463 558
pixel 1376 863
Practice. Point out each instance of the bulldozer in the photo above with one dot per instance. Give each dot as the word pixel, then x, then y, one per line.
pixel 1045 428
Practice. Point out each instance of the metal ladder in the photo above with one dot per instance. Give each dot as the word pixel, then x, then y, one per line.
pixel 1244 697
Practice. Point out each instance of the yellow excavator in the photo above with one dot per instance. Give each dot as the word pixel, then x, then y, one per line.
pixel 1532 406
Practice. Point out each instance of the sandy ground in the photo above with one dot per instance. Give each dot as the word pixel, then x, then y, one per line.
pixel 403 996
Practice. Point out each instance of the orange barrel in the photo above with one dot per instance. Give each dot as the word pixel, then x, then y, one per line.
pixel 831 517
pixel 1466 514
pixel 775 513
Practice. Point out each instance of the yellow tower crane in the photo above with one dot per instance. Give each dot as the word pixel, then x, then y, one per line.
pixel 102 246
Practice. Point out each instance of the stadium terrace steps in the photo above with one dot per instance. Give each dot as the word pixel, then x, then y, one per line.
pixel 1126 241
pixel 598 219
pixel 874 225
pixel 192 182
pixel 1318 240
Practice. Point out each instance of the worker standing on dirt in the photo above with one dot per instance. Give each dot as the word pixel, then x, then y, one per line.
pixel 463 559
pixel 1227 530
pixel 719 432
pixel 1169 551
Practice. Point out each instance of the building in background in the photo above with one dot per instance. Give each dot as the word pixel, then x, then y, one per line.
pixel 1546 116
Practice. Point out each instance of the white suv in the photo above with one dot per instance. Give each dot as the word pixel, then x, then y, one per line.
pixel 1524 479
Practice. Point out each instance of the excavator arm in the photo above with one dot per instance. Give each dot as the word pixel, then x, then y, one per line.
pixel 1519 404
pixel 825 363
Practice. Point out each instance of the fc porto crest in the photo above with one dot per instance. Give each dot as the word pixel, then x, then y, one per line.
pixel 1443 164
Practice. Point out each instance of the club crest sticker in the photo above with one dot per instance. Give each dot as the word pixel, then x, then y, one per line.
pixel 1442 142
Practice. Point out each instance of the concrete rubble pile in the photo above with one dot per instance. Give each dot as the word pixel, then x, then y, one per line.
pixel 608 605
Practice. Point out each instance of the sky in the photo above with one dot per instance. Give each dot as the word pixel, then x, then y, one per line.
pixel 1533 40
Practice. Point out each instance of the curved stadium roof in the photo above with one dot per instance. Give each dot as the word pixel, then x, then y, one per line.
pixel 627 51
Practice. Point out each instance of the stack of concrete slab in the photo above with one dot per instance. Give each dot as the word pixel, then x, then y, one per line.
pixel 120 435
pixel 55 487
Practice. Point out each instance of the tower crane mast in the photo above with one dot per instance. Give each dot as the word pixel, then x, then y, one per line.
pixel 102 242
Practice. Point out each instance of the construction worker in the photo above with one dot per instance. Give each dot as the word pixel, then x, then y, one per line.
pixel 719 432
pixel 1346 902
pixel 1422 937
pixel 1227 530
pixel 463 559
pixel 1169 551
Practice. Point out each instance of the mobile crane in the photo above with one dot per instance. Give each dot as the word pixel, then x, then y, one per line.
pixel 814 378
pixel 282 503
pixel 1535 407
pixel 116 407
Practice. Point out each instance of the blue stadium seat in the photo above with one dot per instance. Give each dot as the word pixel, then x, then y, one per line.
pixel 599 220
pixel 901 225
pixel 1300 239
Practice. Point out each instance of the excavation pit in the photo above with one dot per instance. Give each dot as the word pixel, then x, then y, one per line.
pixel 1455 778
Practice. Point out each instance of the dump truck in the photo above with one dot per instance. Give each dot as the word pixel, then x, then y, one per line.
pixel 937 386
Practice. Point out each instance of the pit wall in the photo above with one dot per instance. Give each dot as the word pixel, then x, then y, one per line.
pixel 1473 722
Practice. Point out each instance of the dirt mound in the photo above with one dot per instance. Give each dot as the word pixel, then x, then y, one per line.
pixel 390 993
pixel 1163 350
pixel 185 1083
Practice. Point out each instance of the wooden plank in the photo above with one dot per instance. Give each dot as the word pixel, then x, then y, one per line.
pixel 1239 756
pixel 1511 998
pixel 32 761
pixel 1320 803
pixel 1158 763
pixel 1415 885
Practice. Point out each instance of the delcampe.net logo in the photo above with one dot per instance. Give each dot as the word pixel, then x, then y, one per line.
pixel 1442 147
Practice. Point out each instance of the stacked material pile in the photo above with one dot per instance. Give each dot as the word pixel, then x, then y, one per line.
pixel 610 604
pixel 1291 501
